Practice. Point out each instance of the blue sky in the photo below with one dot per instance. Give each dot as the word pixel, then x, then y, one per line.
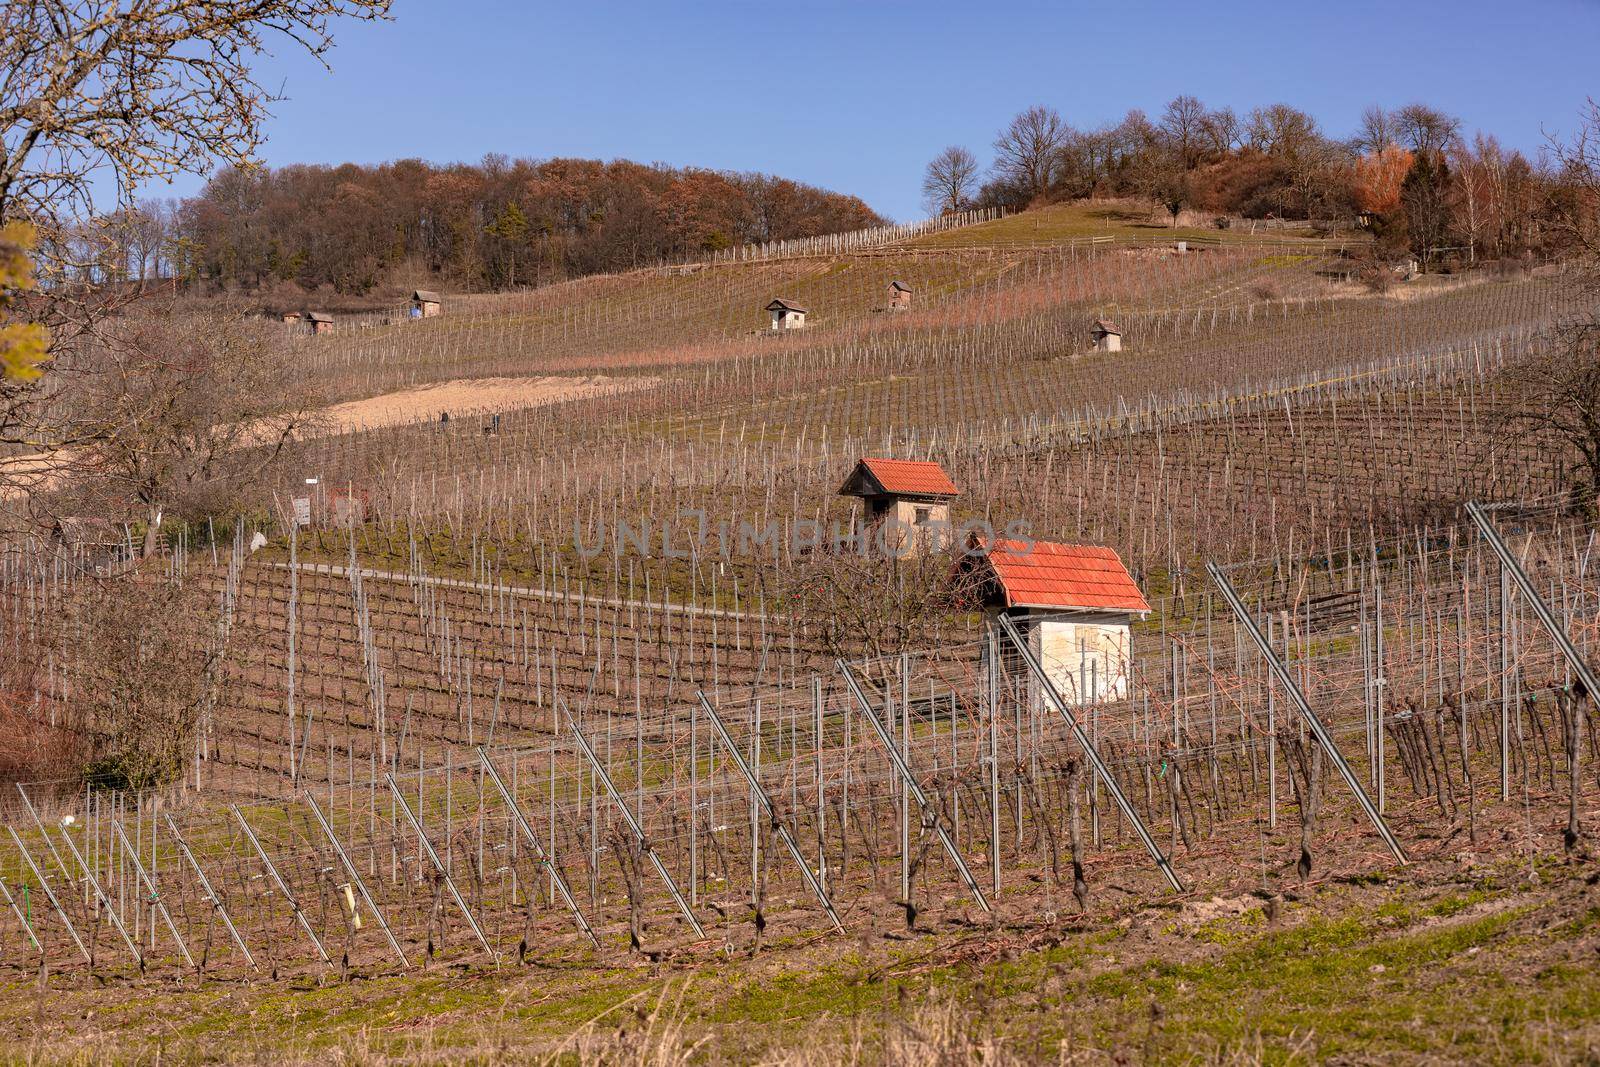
pixel 856 96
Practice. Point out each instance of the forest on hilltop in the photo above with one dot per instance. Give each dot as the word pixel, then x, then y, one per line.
pixel 1411 176
pixel 496 224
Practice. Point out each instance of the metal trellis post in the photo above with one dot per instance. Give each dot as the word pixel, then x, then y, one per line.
pixel 1286 680
pixel 155 897
pixel 211 893
pixel 433 857
pixel 1535 601
pixel 355 877
pixel 538 850
pixel 763 799
pixel 49 894
pixel 1049 688
pixel 283 887
pixel 911 785
pixel 633 825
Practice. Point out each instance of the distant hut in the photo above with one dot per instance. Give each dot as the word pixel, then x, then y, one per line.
pixel 1074 605
pixel 787 315
pixel 88 542
pixel 899 296
pixel 1107 336
pixel 909 497
pixel 319 321
pixel 292 317
pixel 425 304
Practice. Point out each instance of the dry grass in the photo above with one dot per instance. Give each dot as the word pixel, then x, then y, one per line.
pixel 1447 964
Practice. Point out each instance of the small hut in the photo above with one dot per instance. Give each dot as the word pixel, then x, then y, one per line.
pixel 787 315
pixel 1107 336
pixel 1074 604
pixel 899 296
pixel 907 503
pixel 319 321
pixel 88 542
pixel 292 317
pixel 425 304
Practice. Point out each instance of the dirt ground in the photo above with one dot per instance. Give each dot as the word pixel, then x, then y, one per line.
pixel 424 403
pixel 1450 960
pixel 471 396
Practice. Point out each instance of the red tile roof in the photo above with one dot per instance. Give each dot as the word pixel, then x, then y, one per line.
pixel 911 477
pixel 1063 576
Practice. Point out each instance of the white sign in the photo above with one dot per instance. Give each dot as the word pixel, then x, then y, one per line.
pixel 302 511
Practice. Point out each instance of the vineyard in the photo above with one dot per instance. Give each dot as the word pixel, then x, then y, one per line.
pixel 466 717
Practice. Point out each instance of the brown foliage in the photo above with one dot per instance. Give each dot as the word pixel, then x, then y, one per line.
pixel 1249 184
pixel 1376 179
pixel 496 224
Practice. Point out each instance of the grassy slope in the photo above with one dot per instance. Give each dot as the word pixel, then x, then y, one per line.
pixel 1081 220
pixel 1486 965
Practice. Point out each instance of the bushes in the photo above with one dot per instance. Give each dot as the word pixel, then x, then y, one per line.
pixel 138 676
pixel 1251 185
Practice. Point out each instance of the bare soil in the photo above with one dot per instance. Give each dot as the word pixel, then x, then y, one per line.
pixel 472 396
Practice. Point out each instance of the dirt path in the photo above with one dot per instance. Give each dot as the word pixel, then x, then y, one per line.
pixel 464 396
pixel 472 396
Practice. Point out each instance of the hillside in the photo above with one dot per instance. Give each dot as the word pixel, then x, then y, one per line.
pixel 470 706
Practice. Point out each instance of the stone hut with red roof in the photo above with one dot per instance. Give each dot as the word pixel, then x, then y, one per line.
pixel 1075 604
pixel 906 503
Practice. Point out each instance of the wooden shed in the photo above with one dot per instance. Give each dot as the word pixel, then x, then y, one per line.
pixel 787 315
pixel 1107 336
pixel 89 542
pixel 292 317
pixel 906 503
pixel 1075 605
pixel 425 304
pixel 319 321
pixel 899 296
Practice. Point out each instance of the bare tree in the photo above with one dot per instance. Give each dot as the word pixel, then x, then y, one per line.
pixel 877 602
pixel 949 181
pixel 137 654
pixel 1027 152
pixel 1223 131
pixel 1165 180
pixel 1425 129
pixel 1472 190
pixel 1556 394
pixel 1378 133
pixel 1183 122
pixel 106 95
pixel 1281 130
pixel 137 90
pixel 1577 164
pixel 189 409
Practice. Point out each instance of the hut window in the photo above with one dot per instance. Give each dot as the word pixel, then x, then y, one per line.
pixel 923 515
